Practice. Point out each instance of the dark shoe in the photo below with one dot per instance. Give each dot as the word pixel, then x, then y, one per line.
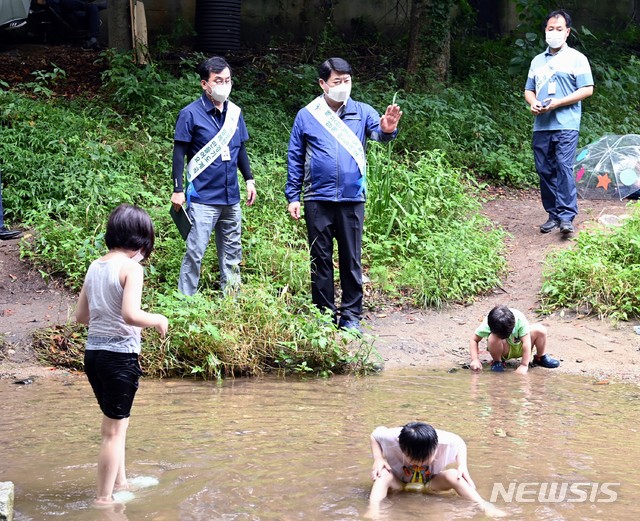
pixel 350 324
pixel 566 227
pixel 498 367
pixel 546 361
pixel 549 226
pixel 6 235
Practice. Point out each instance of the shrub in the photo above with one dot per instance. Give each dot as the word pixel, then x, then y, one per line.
pixel 599 275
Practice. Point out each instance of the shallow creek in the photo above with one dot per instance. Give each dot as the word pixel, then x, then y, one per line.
pixel 289 449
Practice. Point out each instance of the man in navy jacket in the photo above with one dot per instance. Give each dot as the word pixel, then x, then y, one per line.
pixel 213 192
pixel 326 168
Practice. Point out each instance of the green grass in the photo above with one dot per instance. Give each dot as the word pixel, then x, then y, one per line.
pixel 66 165
pixel 600 274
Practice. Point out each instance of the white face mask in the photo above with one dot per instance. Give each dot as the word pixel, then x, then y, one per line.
pixel 555 39
pixel 220 93
pixel 138 257
pixel 340 93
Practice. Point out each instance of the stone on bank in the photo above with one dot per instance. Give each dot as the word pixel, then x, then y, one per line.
pixel 6 501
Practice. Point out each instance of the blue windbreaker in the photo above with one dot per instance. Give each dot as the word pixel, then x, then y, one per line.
pixel 319 167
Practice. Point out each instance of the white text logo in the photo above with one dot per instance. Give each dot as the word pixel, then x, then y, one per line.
pixel 555 492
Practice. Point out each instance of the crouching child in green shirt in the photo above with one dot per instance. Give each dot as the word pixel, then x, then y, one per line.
pixel 509 335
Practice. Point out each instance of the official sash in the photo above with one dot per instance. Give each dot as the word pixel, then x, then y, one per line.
pixel 212 150
pixel 330 121
pixel 545 73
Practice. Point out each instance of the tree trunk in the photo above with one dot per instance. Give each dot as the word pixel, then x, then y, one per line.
pixel 119 19
pixel 429 41
pixel 418 23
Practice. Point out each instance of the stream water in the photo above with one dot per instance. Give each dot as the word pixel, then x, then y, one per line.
pixel 289 449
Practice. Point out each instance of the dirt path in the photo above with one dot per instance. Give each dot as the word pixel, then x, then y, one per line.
pixel 586 346
pixel 27 303
pixel 429 339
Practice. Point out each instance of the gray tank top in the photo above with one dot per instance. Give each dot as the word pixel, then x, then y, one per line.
pixel 107 328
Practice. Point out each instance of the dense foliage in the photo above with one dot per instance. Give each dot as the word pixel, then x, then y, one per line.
pixel 67 164
pixel 599 275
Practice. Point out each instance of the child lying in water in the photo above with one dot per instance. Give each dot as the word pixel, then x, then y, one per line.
pixel 414 457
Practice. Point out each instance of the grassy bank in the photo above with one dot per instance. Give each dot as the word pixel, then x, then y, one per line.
pixel 67 164
pixel 599 274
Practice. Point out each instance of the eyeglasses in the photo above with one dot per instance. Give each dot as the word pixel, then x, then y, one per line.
pixel 222 81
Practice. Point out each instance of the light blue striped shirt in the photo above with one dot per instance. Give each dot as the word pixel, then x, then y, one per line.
pixel 570 71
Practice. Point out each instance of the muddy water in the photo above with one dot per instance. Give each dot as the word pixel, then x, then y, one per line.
pixel 268 448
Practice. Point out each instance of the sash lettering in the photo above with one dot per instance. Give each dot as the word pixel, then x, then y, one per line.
pixel 330 121
pixel 545 73
pixel 212 150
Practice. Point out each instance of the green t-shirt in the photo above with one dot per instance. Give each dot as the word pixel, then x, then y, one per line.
pixel 520 329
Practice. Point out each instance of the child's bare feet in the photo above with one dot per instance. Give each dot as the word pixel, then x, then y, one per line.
pixel 121 486
pixel 104 503
pixel 110 510
pixel 136 483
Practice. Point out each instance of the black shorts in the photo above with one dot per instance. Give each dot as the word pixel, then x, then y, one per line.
pixel 114 378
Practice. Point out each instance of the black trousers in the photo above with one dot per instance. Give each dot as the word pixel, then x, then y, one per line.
pixel 343 222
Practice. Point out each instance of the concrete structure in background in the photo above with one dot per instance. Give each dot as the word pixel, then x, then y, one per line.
pixel 264 20
pixel 6 500
pixel 593 14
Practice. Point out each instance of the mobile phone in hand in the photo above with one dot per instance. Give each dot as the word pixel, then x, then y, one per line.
pixel 545 103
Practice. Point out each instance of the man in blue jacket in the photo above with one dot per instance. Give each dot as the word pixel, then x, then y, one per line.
pixel 326 167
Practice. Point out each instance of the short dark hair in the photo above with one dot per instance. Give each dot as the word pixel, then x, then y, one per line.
pixel 333 64
pixel 501 321
pixel 130 228
pixel 418 441
pixel 556 13
pixel 215 64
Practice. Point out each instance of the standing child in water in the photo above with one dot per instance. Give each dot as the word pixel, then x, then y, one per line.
pixel 414 458
pixel 110 304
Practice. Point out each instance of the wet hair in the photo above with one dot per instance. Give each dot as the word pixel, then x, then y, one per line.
pixel 501 321
pixel 333 64
pixel 130 228
pixel 214 65
pixel 555 14
pixel 418 441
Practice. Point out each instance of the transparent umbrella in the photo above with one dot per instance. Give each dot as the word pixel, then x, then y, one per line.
pixel 13 13
pixel 609 167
